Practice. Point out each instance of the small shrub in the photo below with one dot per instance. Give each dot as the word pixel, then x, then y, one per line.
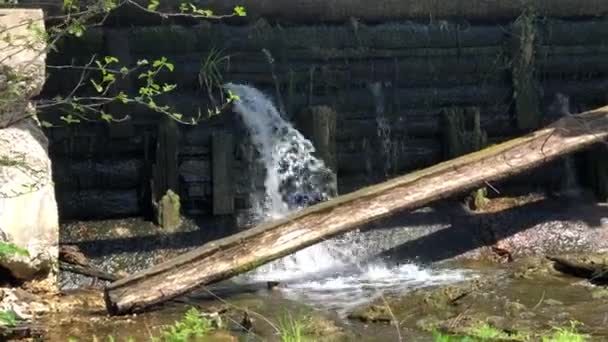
pixel 193 325
pixel 8 249
pixel 8 318
pixel 291 330
pixel 566 335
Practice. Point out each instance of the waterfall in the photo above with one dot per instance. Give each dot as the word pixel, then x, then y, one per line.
pixel 560 107
pixel 295 178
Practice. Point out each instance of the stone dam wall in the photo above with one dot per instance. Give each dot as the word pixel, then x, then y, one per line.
pixel 405 95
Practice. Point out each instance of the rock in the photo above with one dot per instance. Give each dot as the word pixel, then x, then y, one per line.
pixel 28 210
pixel 372 313
pixel 515 308
pixel 73 255
pixel 599 293
pixel 553 302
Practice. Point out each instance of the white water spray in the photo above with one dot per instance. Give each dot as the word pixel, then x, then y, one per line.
pixel 292 169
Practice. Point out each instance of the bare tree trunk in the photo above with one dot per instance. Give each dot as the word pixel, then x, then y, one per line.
pixel 244 251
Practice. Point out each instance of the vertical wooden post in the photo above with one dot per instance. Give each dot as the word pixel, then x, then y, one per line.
pixel 318 124
pixel 526 87
pixel 462 134
pixel 165 180
pixel 462 131
pixel 222 145
pixel 596 171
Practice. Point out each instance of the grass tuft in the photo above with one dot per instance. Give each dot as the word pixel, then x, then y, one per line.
pixel 291 329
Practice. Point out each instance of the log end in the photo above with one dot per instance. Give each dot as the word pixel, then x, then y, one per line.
pixel 111 306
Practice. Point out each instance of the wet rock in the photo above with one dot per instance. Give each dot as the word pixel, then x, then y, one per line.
pixel 373 313
pixel 553 302
pixel 428 323
pixel 599 293
pixel 323 329
pixel 527 315
pixel 515 308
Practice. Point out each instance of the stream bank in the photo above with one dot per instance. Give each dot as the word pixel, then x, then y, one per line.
pixel 508 283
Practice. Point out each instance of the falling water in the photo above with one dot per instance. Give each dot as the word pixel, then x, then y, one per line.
pixel 294 178
pixel 383 126
pixel 293 174
pixel 292 171
pixel 560 107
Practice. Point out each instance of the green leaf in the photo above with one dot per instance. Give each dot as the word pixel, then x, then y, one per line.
pixel 168 87
pixel 111 59
pixel 97 86
pixel 232 97
pixel 169 66
pixel 46 124
pixel 70 119
pixel 109 5
pixel 204 12
pixel 142 62
pixel 124 71
pixel 178 116
pixel 153 5
pixel 106 117
pixel 152 104
pixel 183 7
pixel 69 5
pixel 239 11
pixel 122 97
pixel 108 78
pixel 159 62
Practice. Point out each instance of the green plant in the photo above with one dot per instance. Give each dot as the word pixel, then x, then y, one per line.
pixel 291 329
pixel 210 75
pixel 439 337
pixel 8 318
pixel 76 18
pixel 192 325
pixel 569 334
pixel 8 249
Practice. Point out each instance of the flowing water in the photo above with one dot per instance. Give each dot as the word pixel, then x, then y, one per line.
pixel 339 273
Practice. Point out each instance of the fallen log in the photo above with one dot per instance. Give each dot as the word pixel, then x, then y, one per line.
pixel 597 273
pixel 221 259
